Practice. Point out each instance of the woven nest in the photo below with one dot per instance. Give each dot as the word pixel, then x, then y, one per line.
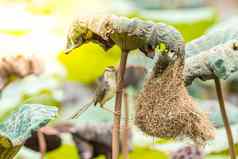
pixel 164 108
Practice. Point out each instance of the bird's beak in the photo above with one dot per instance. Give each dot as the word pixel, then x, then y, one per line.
pixel 68 50
pixel 70 47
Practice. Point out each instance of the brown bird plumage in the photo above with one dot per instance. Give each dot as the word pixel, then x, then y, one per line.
pixel 105 90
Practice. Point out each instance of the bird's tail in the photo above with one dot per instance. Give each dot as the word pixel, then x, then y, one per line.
pixel 82 110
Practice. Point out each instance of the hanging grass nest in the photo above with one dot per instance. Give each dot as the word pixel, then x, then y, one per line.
pixel 164 108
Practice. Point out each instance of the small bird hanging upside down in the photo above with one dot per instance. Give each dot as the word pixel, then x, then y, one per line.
pixel 106 89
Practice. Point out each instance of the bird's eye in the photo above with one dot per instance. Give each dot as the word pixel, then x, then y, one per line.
pixel 172 51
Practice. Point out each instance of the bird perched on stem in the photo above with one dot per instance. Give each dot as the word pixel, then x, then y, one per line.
pixel 105 90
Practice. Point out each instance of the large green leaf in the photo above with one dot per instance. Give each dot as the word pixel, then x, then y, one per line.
pixel 41 90
pixel 128 34
pixel 19 126
pixel 191 22
pixel 215 54
pixel 218 35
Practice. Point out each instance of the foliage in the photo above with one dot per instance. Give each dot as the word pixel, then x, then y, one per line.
pixel 41 90
pixel 147 153
pixel 161 4
pixel 19 126
pixel 129 34
pixel 220 34
pixel 65 151
pixel 191 22
pixel 213 54
pixel 88 62
pixel 18 66
pixel 70 151
pixel 212 107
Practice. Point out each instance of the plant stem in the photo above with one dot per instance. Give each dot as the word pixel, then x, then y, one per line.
pixel 42 144
pixel 225 119
pixel 126 127
pixel 117 109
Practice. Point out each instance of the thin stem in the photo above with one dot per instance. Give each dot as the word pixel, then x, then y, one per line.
pixel 126 127
pixel 42 144
pixel 225 119
pixel 117 115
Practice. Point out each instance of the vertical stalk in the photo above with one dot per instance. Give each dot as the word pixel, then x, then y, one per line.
pixel 126 127
pixel 225 119
pixel 117 109
pixel 42 144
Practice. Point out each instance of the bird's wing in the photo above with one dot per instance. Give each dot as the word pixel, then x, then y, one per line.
pixel 101 91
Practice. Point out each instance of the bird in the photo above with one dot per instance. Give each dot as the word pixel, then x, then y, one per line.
pixel 105 90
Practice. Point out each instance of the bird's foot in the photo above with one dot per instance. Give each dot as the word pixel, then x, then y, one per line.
pixel 109 110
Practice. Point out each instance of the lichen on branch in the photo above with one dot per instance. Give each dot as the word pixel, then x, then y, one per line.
pixel 17 67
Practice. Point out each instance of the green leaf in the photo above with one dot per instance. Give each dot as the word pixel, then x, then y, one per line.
pixel 214 54
pixel 32 89
pixel 220 34
pixel 19 126
pixel 192 22
pixel 220 61
pixel 128 34
pixel 65 151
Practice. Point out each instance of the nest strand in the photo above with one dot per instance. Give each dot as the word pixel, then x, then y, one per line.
pixel 164 108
